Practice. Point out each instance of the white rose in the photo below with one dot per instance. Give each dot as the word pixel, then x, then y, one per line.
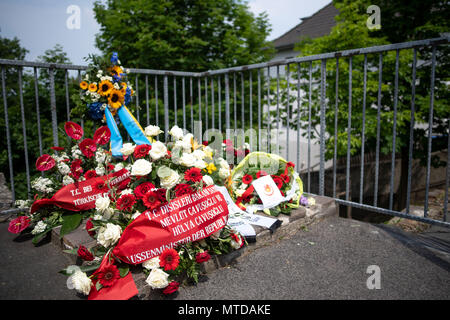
pixel 158 151
pixel 199 154
pixel 102 203
pixel 186 146
pixel 171 180
pixel 151 131
pixel 187 139
pixel 200 164
pixel 141 167
pixel 151 264
pixel 208 180
pixel 224 173
pixel 188 160
pixel 80 282
pixel 176 132
pixel 109 235
pixel 127 149
pixel 157 279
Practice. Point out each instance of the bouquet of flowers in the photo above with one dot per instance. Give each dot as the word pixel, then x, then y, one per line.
pixel 256 165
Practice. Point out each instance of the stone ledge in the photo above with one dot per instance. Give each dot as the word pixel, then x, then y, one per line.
pixel 298 219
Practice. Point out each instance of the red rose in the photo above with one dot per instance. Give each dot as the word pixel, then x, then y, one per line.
pixel 182 189
pixel 85 254
pixel 89 226
pixel 247 179
pixel 143 188
pixel 19 224
pixel 151 200
pixel 126 202
pixel 205 143
pixel 193 174
pixel 171 288
pixel 108 275
pixel 73 130
pixel 169 259
pixel 102 135
pixel 202 257
pixel 142 150
pixel 290 164
pixel 76 169
pixel 45 162
pixel 90 174
pixel 88 147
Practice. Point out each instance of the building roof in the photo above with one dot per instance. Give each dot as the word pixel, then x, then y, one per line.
pixel 317 25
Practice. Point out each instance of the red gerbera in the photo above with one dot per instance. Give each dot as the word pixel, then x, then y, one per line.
pixel 142 150
pixel 193 174
pixel 102 135
pixel 261 173
pixel 73 130
pixel 19 224
pixel 100 186
pixel 85 254
pixel 182 189
pixel 143 188
pixel 90 174
pixel 202 257
pixel 76 168
pixel 169 259
pixel 126 202
pixel 151 200
pixel 108 275
pixel 247 179
pixel 88 147
pixel 45 162
pixel 171 288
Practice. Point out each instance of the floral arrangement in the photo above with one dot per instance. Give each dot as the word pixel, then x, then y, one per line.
pixel 158 173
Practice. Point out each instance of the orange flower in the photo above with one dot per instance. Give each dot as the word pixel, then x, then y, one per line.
pixel 83 85
pixel 92 87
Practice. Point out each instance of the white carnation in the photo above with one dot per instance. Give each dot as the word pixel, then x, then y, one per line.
pixel 141 167
pixel 158 279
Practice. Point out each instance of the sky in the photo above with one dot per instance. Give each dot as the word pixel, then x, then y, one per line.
pixel 41 24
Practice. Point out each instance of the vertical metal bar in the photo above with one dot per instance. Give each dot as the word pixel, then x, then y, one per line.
pixel 287 111
pixel 235 105
pixel 38 113
pixel 79 80
pixel 430 130
pixel 51 72
pixel 191 103
pixel 8 136
pixel 361 182
pixel 184 102
pixel 323 85
pixel 447 179
pixel 166 108
pixel 156 101
pixel 336 113
pixel 269 120
pixel 299 101
pixel 212 104
pixel 251 108
pixel 411 129
pixel 137 98
pixel 24 131
pixel 309 126
pixel 242 100
pixel 220 102
pixel 175 100
pixel 206 103
pixel 259 109
pixel 278 109
pixel 199 101
pixel 394 133
pixel 67 94
pixel 227 105
pixel 377 149
pixel 349 128
pixel 146 100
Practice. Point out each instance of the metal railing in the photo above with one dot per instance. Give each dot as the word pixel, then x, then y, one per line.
pixel 255 103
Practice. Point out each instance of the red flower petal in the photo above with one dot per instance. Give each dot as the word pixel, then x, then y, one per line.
pixel 45 162
pixel 57 148
pixel 142 150
pixel 88 147
pixel 169 259
pixel 73 130
pixel 19 224
pixel 108 275
pixel 102 135
pixel 171 288
pixel 247 179
pixel 193 174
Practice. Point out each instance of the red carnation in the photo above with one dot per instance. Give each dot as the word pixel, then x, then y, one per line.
pixel 151 200
pixel 85 254
pixel 45 162
pixel 278 181
pixel 125 202
pixel 102 135
pixel 88 147
pixel 182 189
pixel 202 257
pixel 89 226
pixel 247 179
pixel 76 169
pixel 193 174
pixel 171 288
pixel 19 224
pixel 143 188
pixel 73 130
pixel 261 173
pixel 161 194
pixel 169 259
pixel 90 174
pixel 142 150
pixel 108 275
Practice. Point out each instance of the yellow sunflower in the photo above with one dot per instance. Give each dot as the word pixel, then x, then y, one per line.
pixel 105 87
pixel 92 87
pixel 116 99
pixel 116 71
pixel 124 87
pixel 83 85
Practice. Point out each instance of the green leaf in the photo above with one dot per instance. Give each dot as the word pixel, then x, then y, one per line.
pixel 98 285
pixel 123 271
pixel 70 223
